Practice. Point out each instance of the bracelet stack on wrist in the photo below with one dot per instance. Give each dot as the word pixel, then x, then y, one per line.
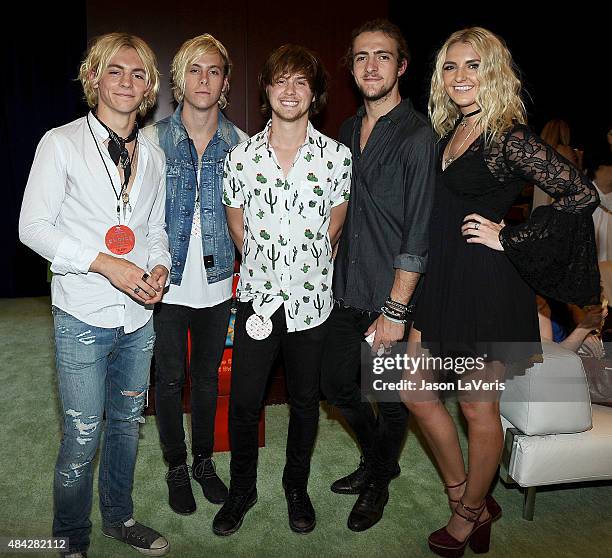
pixel 394 311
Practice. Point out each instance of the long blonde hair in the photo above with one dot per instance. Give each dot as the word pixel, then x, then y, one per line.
pixel 498 93
pixel 99 56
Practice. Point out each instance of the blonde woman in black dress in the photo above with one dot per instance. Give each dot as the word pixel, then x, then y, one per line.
pixel 478 294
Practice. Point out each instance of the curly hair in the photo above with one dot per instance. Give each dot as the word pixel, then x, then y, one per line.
pixel 98 57
pixel 187 55
pixel 499 91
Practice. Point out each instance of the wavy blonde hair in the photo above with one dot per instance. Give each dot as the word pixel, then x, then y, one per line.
pixel 499 92
pixel 188 54
pixel 98 57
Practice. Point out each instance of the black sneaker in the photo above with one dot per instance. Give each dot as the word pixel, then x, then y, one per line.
pixel 301 513
pixel 138 536
pixel 180 496
pixel 354 482
pixel 369 507
pixel 229 518
pixel 204 472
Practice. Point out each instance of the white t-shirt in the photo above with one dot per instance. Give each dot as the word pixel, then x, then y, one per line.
pixel 194 290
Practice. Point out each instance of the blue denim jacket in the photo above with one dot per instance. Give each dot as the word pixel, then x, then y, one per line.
pixel 181 187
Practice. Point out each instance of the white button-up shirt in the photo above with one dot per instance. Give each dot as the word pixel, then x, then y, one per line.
pixel 68 207
pixel 287 254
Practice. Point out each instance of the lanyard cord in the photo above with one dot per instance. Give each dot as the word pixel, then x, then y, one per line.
pixel 195 168
pixel 119 195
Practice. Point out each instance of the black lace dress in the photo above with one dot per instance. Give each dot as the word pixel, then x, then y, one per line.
pixel 481 301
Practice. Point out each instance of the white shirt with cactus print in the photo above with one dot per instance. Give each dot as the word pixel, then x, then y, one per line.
pixel 287 254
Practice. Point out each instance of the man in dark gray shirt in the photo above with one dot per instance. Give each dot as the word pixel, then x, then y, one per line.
pixel 382 253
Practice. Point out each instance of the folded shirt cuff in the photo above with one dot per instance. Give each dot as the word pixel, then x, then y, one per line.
pixel 229 202
pixel 408 262
pixel 165 261
pixel 73 257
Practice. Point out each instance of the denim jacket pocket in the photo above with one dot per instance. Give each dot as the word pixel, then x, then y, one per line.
pixel 173 179
pixel 173 170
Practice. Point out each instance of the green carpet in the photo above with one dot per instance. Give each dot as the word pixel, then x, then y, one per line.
pixel 570 521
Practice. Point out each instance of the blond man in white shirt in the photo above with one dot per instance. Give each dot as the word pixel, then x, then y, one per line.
pixel 94 207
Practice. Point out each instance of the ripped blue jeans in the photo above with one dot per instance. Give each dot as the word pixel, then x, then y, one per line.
pixel 100 371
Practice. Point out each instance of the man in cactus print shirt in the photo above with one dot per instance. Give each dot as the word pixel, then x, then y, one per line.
pixel 285 190
pixel 286 248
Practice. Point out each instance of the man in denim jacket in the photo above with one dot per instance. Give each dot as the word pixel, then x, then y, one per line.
pixel 195 140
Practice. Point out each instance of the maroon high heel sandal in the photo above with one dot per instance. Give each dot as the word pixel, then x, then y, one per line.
pixel 442 543
pixel 493 507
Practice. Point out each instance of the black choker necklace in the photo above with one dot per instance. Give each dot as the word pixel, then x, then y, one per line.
pixel 463 120
pixel 471 113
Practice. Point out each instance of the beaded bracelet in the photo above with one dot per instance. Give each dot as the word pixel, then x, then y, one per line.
pixel 395 305
pixel 396 315
pixel 394 310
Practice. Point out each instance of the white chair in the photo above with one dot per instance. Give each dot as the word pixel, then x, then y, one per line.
pixel 553 434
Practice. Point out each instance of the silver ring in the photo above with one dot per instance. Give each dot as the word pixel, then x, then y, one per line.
pixel 136 290
pixel 477 226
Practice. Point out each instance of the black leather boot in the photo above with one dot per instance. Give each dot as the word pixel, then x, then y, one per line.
pixel 369 507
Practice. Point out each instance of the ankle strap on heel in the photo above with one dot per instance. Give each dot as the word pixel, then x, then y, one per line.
pixel 476 512
pixel 451 486
pixel 456 485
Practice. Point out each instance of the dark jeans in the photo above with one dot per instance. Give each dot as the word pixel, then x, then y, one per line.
pixel 208 332
pixel 251 365
pixel 380 438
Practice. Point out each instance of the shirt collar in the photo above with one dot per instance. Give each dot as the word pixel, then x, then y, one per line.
pixel 97 127
pixel 226 130
pixel 179 133
pixel 262 139
pixel 395 114
pixel 177 128
pixel 101 132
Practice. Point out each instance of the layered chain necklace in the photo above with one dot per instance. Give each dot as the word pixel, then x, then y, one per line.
pixel 452 155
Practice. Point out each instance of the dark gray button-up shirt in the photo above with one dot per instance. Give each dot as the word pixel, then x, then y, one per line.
pixel 388 214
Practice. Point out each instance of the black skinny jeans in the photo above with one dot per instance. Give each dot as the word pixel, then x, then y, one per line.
pixel 208 333
pixel 380 438
pixel 251 366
